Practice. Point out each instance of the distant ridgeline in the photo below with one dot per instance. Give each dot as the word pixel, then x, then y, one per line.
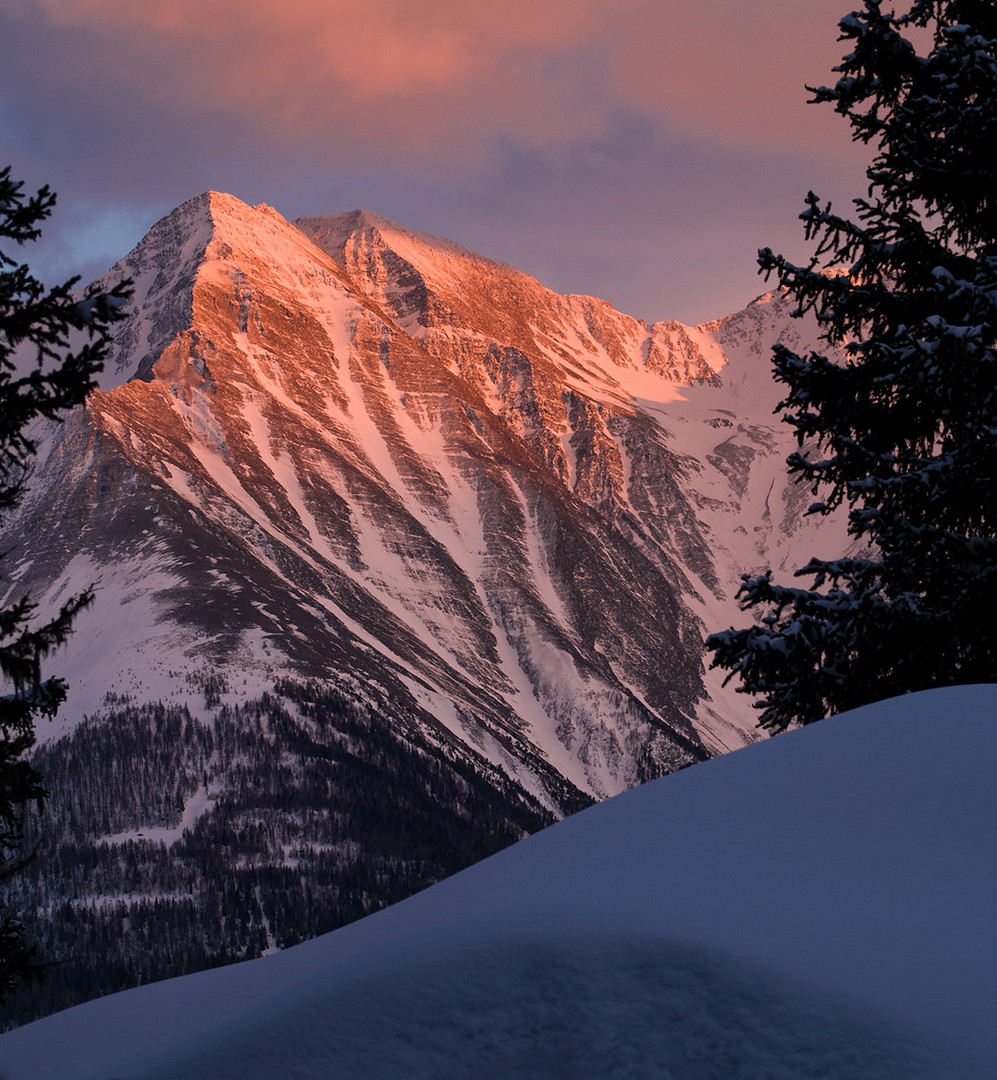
pixel 313 812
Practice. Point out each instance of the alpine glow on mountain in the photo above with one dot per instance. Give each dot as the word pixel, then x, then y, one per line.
pixel 341 474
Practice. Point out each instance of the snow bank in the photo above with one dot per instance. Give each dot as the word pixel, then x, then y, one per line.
pixel 820 904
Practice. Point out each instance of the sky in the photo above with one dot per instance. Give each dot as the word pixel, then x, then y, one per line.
pixel 638 150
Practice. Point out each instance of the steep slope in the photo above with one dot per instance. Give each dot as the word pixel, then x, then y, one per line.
pixel 335 490
pixel 819 905
pixel 666 431
pixel 353 495
pixel 420 467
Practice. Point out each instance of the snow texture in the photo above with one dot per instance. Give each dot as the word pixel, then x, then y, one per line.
pixel 820 904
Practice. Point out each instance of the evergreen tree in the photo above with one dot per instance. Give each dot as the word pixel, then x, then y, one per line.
pixel 898 422
pixel 51 346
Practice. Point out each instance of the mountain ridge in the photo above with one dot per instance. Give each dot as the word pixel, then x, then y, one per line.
pixel 346 517
pixel 191 367
pixel 546 399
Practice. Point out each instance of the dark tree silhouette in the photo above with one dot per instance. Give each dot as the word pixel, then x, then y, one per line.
pixel 52 343
pixel 898 421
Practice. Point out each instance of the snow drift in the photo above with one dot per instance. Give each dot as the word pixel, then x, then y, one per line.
pixel 820 904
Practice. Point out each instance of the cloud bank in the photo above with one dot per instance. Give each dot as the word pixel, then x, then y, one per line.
pixel 147 104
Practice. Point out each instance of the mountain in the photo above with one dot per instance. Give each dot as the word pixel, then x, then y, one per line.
pixel 818 905
pixel 399 556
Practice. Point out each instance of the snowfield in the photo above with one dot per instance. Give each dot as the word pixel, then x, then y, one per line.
pixel 817 905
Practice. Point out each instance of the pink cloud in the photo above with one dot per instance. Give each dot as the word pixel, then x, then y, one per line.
pixel 448 76
pixel 308 66
pixel 736 70
pixel 640 150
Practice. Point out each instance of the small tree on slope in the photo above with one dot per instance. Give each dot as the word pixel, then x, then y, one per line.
pixel 900 423
pixel 42 372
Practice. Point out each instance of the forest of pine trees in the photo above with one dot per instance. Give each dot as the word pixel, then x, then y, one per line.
pixel 317 812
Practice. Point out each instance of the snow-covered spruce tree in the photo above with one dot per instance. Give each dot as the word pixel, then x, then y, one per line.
pixel 51 346
pixel 899 421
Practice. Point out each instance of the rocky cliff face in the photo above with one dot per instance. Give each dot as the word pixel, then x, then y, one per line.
pixel 375 463
pixel 348 448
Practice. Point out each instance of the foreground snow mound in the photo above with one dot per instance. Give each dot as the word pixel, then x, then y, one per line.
pixel 576 1008
pixel 817 905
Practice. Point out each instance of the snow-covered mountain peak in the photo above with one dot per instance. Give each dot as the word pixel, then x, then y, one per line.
pixel 453 300
pixel 421 281
pixel 424 456
pixel 208 238
pixel 746 338
pixel 346 467
pixel 333 232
